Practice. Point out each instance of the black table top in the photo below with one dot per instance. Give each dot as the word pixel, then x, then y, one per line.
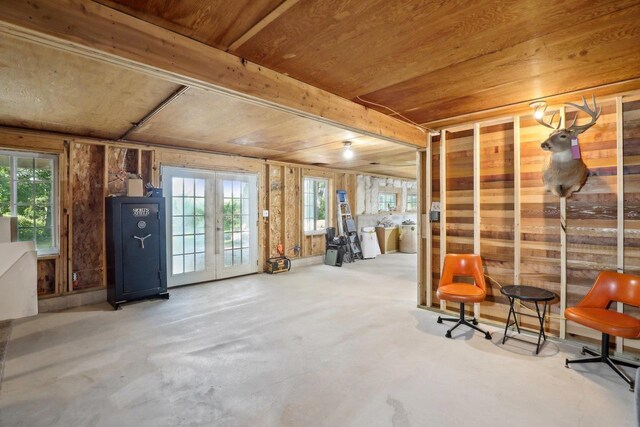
pixel 528 293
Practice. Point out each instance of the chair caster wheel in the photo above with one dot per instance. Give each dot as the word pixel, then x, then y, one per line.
pixel 487 336
pixel 566 363
pixel 474 321
pixel 448 334
pixel 439 319
pixel 582 352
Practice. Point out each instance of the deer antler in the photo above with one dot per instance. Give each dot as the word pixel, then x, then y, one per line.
pixel 541 119
pixel 595 113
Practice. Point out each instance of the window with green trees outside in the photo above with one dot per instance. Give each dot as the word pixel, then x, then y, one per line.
pixel 27 191
pixel 315 204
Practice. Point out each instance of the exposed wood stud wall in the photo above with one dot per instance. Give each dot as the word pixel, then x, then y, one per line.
pixel 476 200
pixel 496 229
pixel 620 203
pixel 602 220
pixel 443 204
pixel 87 216
pixel 631 192
pixel 82 192
pixel 426 195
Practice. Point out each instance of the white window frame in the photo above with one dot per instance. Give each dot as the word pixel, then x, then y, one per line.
pixel 326 205
pixel 387 193
pixel 406 205
pixel 55 239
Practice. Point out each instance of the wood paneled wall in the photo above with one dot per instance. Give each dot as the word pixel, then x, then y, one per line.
pixel 631 182
pixel 564 262
pixel 435 226
pixel 496 213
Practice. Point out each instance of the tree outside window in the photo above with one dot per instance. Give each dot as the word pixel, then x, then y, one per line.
pixel 27 191
pixel 315 204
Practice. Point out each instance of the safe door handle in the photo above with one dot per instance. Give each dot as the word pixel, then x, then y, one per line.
pixel 142 239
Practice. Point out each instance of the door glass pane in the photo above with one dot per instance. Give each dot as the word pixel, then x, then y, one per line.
pixel 189 244
pixel 178 267
pixel 177 247
pixel 200 243
pixel 228 258
pixel 188 218
pixel 189 263
pixel 200 224
pixel 199 187
pixel 200 266
pixel 189 188
pixel 189 225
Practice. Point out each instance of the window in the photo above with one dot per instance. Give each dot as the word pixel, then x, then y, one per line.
pixel 28 191
pixel 387 201
pixel 315 204
pixel 412 203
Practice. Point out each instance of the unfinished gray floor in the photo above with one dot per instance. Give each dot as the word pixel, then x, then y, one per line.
pixel 319 346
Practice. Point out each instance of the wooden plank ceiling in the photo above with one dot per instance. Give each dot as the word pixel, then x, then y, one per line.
pixel 428 60
pixel 47 89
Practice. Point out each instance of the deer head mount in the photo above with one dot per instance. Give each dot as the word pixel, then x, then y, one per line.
pixel 565 173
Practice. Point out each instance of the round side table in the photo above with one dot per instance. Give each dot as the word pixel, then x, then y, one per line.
pixel 527 294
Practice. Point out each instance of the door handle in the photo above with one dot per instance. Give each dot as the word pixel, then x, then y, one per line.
pixel 142 239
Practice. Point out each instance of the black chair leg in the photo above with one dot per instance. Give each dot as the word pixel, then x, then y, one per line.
pixel 603 357
pixel 462 321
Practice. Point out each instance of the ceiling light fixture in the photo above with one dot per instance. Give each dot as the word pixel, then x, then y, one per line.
pixel 539 107
pixel 347 152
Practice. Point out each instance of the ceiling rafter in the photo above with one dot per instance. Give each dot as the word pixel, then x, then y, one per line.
pixel 261 24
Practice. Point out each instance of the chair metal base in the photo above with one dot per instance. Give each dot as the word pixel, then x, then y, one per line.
pixel 603 357
pixel 462 321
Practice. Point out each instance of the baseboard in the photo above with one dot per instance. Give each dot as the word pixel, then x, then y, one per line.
pixel 72 300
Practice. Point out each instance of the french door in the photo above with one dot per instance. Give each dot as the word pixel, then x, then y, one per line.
pixel 212 228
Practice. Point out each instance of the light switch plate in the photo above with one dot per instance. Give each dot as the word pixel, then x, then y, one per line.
pixel 265 214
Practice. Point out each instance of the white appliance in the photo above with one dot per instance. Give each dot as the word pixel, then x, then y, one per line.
pixel 409 238
pixel 369 242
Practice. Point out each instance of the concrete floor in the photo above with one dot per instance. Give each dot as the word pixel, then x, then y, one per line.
pixel 319 346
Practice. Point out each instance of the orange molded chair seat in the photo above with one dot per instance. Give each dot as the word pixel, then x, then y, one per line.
pixel 593 313
pixel 467 265
pixel 461 292
pixel 605 321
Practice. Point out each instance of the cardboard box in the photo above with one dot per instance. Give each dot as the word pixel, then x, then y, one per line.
pixel 135 187
pixel 8 229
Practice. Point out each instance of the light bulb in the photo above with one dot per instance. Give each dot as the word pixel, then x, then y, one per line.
pixel 538 114
pixel 347 153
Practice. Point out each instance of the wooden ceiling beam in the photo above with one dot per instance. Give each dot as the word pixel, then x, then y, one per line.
pixel 259 26
pixel 96 31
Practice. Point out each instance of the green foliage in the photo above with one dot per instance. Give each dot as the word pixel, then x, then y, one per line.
pixel 34 198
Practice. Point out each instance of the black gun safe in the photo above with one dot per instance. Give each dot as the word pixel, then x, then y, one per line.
pixel 136 249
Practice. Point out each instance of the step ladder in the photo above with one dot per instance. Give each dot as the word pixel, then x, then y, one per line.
pixel 347 227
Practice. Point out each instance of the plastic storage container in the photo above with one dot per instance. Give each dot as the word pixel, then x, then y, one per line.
pixel 409 239
pixel 369 242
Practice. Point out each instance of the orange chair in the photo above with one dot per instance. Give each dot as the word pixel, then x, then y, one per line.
pixel 592 312
pixel 463 293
